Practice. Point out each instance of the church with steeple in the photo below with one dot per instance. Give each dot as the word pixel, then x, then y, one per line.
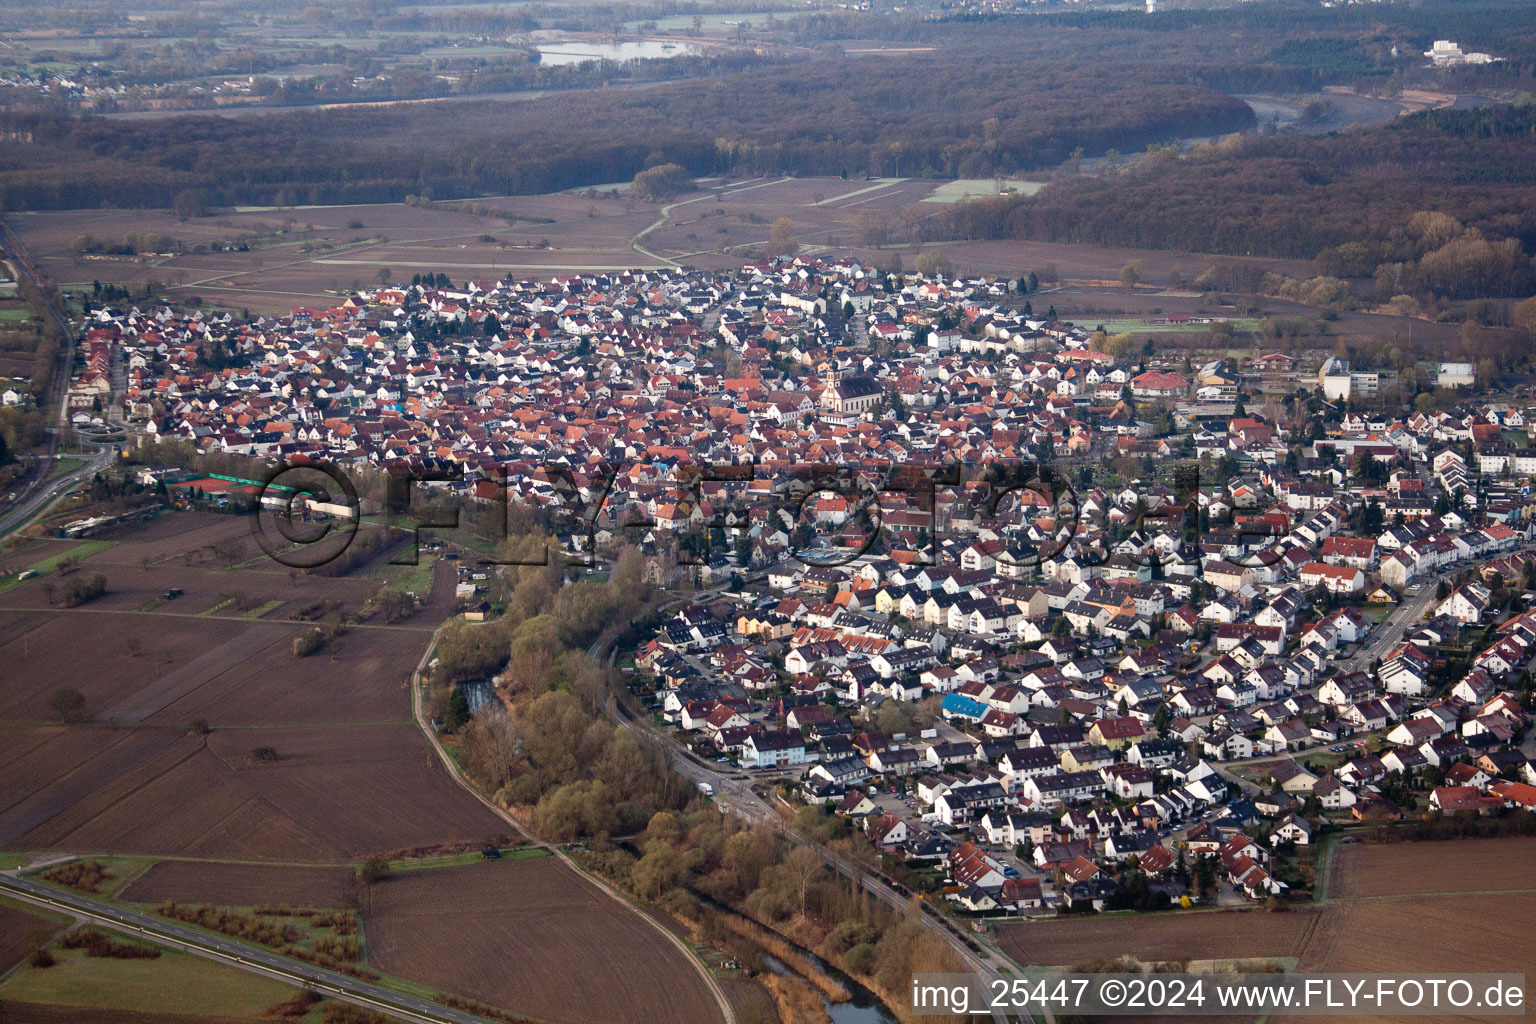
pixel 849 394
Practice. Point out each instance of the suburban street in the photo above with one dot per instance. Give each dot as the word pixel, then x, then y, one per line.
pixel 1389 632
pixel 733 793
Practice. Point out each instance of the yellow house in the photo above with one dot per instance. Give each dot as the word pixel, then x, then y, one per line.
pixel 1116 733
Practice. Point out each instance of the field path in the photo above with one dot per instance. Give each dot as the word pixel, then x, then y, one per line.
pixel 666 212
pixel 860 191
pixel 228 276
pixel 727 1012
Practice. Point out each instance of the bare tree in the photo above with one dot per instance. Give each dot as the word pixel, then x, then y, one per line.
pixel 781 238
pixel 800 868
pixel 67 704
pixel 229 550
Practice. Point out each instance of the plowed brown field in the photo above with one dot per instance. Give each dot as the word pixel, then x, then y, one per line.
pixel 240 885
pixel 532 937
pixel 18 931
pixel 1466 865
pixel 1174 936
pixel 335 794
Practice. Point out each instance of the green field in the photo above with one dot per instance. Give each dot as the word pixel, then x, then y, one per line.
pixel 256 613
pixel 27 908
pixel 415 579
pixel 172 983
pixel 65 465
pixel 83 549
pixel 962 189
pixel 1136 325
pixel 449 860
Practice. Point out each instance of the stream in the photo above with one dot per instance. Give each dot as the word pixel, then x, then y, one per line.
pixel 864 1007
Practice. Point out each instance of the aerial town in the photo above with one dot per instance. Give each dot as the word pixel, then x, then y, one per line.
pixel 1055 623
pixel 717 513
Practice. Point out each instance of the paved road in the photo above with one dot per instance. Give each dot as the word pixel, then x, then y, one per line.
pixel 1389 632
pixel 1384 637
pixel 36 496
pixel 20 262
pixel 236 954
pixel 45 491
pixel 733 792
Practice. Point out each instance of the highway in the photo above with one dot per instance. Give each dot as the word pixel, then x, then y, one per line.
pixel 330 984
pixel 45 491
pixel 22 267
pixel 42 490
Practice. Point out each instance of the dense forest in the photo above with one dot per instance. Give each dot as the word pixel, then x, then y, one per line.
pixel 1347 200
pixel 820 117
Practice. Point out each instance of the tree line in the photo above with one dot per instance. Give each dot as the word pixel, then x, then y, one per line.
pixel 1349 201
pixel 549 748
pixel 817 117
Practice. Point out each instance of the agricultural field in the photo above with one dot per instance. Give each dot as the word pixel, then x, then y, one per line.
pixel 1471 933
pixel 1474 897
pixel 1363 870
pixel 221 651
pixel 20 931
pixel 177 983
pixel 23 552
pixel 53 556
pixel 325 794
pixel 240 885
pixel 531 937
pixel 18 337
pixel 45 1013
pixel 342 773
pixel 963 189
pixel 217 566
pixel 1424 933
pixel 301 256
pixel 1202 935
pixel 311 761
pixel 306 256
pixel 177 669
pixel 1139 325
